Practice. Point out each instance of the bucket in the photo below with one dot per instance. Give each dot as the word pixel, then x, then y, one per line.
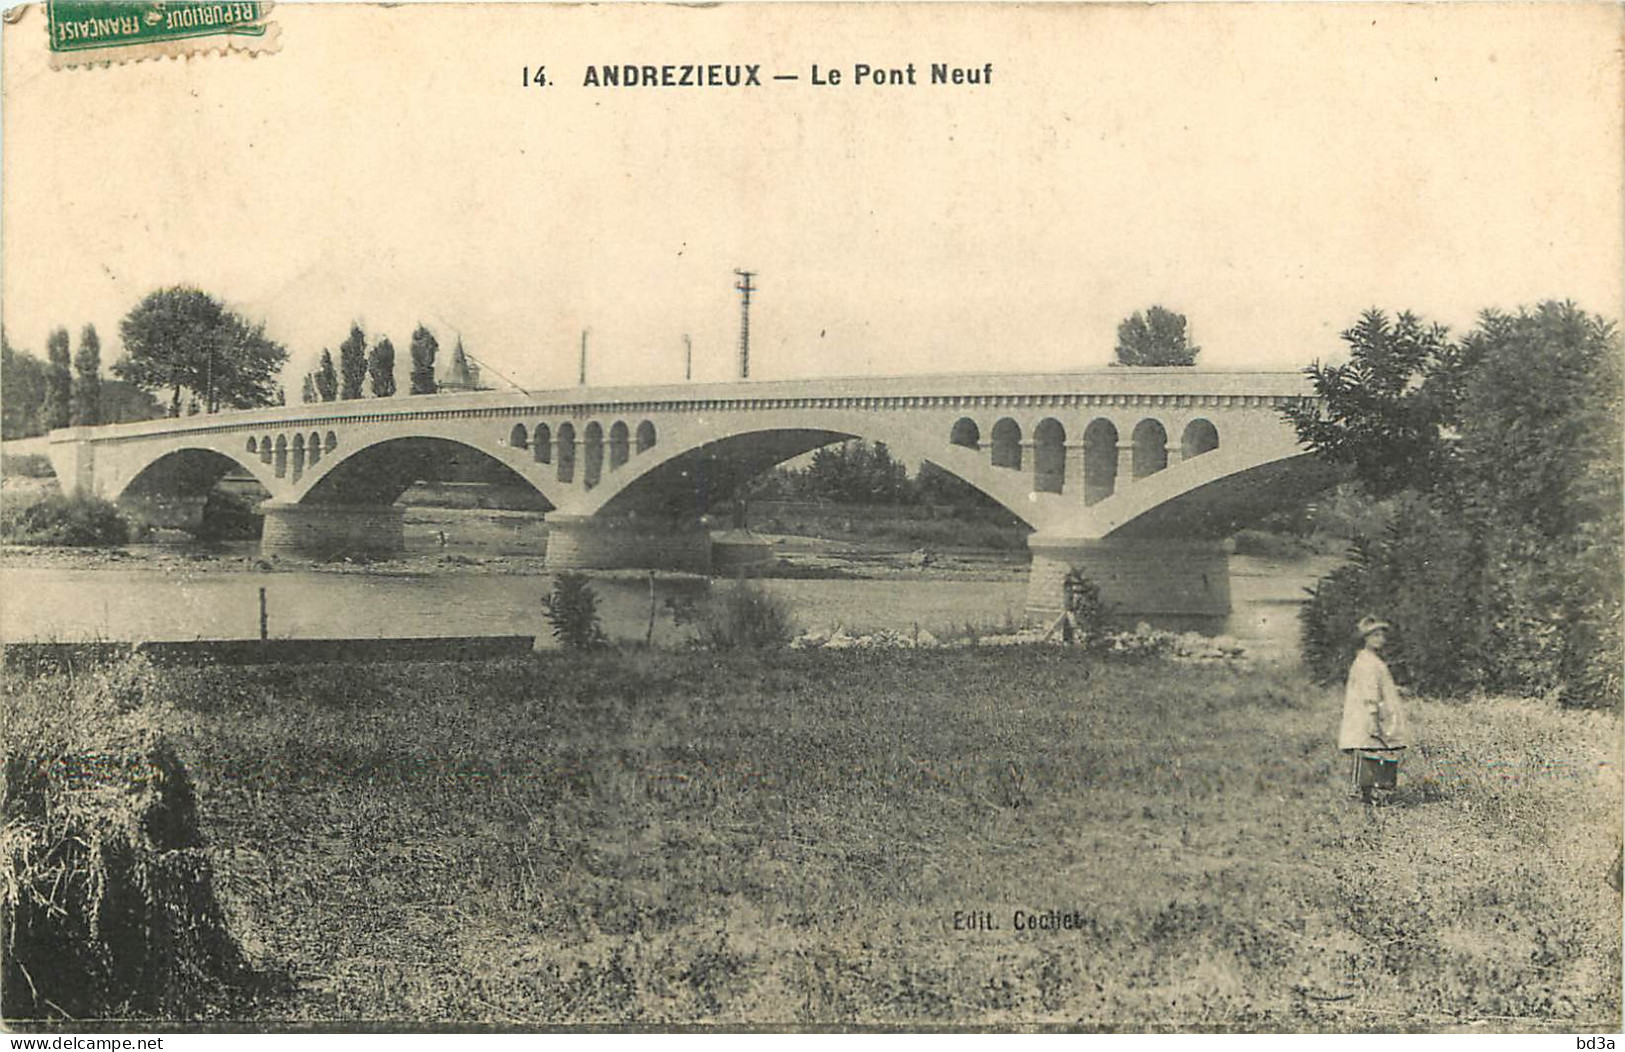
pixel 1377 770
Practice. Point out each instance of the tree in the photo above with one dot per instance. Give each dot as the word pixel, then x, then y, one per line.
pixel 308 393
pixel 857 473
pixel 381 367
pixel 22 392
pixel 1156 337
pixel 87 383
pixel 353 363
pixel 183 339
pixel 327 379
pixel 1387 410
pixel 1501 567
pixel 424 348
pixel 58 380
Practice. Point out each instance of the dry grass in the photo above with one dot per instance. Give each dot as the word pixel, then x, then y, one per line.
pixel 105 898
pixel 722 839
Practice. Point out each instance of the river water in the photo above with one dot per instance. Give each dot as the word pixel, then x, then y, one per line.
pixel 118 603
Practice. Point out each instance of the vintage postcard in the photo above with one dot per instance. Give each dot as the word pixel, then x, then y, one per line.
pixel 897 516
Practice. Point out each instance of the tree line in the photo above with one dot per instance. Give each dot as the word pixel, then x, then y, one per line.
pixel 63 390
pixel 185 343
pixel 858 472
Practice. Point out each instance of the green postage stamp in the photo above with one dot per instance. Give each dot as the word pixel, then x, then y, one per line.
pixel 86 32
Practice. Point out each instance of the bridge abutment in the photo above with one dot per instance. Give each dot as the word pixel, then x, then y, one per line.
pixel 321 531
pixel 1135 577
pixel 584 542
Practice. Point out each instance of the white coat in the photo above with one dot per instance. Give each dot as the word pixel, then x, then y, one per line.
pixel 1372 715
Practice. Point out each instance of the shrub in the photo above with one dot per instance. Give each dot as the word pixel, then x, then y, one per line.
pixel 27 465
pixel 745 615
pixel 105 888
pixel 1088 611
pixel 78 520
pixel 572 610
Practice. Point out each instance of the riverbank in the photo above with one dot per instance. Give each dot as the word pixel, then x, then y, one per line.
pixel 442 540
pixel 997 838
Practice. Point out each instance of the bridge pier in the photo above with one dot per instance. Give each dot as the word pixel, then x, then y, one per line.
pixel 586 542
pixel 1135 577
pixel 321 531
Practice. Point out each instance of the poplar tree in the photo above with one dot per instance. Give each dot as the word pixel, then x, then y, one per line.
pixel 353 363
pixel 87 384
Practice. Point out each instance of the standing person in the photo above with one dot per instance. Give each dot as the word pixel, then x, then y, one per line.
pixel 1373 727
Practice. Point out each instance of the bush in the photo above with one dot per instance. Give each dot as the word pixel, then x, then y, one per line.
pixel 105 888
pixel 572 610
pixel 1500 567
pixel 27 465
pixel 745 615
pixel 78 520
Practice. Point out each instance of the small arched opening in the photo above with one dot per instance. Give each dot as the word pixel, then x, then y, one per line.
pixel 966 433
pixel 1150 448
pixel 646 436
pixel 541 446
pixel 620 445
pixel 517 438
pixel 1200 437
pixel 1099 460
pixel 1049 456
pixel 567 453
pixel 281 456
pixel 265 450
pixel 313 448
pixel 298 456
pixel 593 469
pixel 1007 444
pixel 332 442
pixel 253 444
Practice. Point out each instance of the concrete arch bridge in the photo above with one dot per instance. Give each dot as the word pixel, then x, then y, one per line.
pixel 1131 475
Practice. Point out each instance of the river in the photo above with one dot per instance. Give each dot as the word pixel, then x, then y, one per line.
pixel 124 603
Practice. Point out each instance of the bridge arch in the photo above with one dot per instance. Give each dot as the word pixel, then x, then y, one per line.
pixel 1049 456
pixel 1007 444
pixel 542 444
pixel 313 448
pixel 965 433
pixel 1150 447
pixel 517 437
pixel 567 453
pixel 1214 495
pixel 191 471
pixel 592 442
pixel 281 463
pixel 297 452
pixel 1200 437
pixel 646 436
pixel 620 444
pixel 380 472
pixel 1099 460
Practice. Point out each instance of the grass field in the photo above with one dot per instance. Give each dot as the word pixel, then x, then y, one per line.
pixel 668 838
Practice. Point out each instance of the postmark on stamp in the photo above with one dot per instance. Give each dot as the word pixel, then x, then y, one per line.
pixel 90 32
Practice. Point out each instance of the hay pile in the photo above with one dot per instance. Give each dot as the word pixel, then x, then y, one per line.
pixel 105 892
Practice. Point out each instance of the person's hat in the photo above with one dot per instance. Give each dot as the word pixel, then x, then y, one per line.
pixel 1369 624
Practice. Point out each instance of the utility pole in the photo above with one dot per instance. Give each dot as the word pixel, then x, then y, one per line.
pixel 582 380
pixel 688 357
pixel 745 288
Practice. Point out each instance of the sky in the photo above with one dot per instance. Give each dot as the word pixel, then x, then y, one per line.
pixel 1267 170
